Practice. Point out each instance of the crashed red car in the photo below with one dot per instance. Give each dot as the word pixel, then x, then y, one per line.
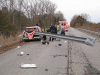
pixel 28 33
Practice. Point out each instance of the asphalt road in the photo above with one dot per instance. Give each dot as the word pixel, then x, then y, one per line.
pixel 71 58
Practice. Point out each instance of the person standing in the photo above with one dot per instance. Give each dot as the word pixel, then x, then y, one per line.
pixel 59 29
pixel 55 28
pixel 44 36
pixel 52 30
pixel 63 29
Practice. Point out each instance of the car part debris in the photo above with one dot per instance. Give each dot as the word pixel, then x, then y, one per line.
pixel 89 40
pixel 18 47
pixel 28 65
pixel 60 44
pixel 45 42
pixel 65 55
pixel 21 53
pixel 27 54
pixel 46 69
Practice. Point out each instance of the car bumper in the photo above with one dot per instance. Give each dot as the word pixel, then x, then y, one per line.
pixel 26 38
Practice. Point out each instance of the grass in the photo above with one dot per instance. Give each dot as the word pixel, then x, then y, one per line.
pixel 9 41
pixel 92 27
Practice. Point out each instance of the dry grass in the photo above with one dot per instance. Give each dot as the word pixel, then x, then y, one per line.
pixel 9 41
pixel 92 27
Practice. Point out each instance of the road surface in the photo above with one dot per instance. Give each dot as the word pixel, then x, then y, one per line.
pixel 71 58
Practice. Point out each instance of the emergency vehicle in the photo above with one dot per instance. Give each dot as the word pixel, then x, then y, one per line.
pixel 65 24
pixel 28 33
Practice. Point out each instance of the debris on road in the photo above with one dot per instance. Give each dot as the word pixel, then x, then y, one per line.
pixel 27 54
pixel 55 46
pixel 28 65
pixel 59 55
pixel 59 44
pixel 18 47
pixel 65 55
pixel 45 42
pixel 54 56
pixel 46 69
pixel 20 54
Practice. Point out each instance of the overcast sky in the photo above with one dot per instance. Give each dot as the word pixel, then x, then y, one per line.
pixel 75 7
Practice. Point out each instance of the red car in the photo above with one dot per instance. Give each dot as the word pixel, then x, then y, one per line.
pixel 28 33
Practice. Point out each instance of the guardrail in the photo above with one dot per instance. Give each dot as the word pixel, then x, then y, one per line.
pixel 89 40
pixel 92 32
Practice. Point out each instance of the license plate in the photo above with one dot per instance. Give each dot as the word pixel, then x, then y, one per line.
pixel 36 37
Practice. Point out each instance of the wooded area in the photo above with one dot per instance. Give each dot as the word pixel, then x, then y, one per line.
pixel 15 15
pixel 81 21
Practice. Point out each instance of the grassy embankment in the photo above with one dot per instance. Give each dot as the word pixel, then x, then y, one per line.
pixel 10 40
pixel 90 26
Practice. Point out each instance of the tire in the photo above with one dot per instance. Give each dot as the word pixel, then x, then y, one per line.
pixel 25 40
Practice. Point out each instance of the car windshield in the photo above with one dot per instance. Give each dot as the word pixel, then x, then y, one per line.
pixel 29 30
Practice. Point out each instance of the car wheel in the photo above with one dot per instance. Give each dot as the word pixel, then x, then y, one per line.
pixel 25 40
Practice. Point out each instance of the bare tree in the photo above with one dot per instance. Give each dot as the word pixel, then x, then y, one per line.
pixel 20 8
pixel 34 10
pixel 59 15
pixel 85 16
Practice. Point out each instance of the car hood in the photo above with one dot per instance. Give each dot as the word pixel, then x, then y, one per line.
pixel 30 35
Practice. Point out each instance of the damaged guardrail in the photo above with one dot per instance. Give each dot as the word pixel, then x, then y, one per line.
pixel 92 32
pixel 89 40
